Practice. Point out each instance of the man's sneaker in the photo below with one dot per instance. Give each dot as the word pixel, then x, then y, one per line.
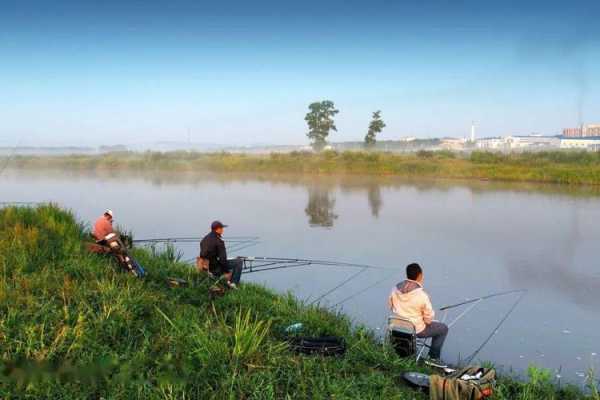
pixel 232 285
pixel 435 363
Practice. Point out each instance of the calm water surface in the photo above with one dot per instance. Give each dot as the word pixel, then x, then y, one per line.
pixel 472 240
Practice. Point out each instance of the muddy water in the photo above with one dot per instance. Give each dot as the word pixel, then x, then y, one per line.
pixel 471 238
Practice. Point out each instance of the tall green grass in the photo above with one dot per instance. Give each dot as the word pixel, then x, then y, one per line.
pixel 73 327
pixel 567 167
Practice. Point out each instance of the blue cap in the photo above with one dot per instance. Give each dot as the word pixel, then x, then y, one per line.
pixel 216 225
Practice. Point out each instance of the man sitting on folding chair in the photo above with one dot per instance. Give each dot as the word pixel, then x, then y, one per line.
pixel 409 301
pixel 213 257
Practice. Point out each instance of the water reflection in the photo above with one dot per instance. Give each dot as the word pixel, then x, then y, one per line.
pixel 556 269
pixel 320 207
pixel 375 200
pixel 344 183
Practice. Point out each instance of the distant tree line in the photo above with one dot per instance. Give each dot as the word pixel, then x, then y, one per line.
pixel 320 121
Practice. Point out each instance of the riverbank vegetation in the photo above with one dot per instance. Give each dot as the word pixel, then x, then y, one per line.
pixel 573 168
pixel 73 327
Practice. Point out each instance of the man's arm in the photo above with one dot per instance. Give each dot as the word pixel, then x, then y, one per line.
pixel 222 254
pixel 203 249
pixel 390 301
pixel 428 312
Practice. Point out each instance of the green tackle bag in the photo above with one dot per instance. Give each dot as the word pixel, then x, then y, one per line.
pixel 471 383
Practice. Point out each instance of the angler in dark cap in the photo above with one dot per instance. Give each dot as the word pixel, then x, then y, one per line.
pixel 213 256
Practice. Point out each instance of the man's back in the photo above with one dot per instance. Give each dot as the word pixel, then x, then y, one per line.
pixel 212 248
pixel 409 300
pixel 102 227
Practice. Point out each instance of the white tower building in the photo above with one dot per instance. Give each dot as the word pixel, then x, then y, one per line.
pixel 472 132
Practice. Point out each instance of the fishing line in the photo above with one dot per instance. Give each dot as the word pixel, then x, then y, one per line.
pixel 462 314
pixel 491 335
pixel 387 277
pixel 338 286
pixel 504 318
pixel 241 246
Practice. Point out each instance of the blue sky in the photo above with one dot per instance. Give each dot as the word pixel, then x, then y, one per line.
pixel 75 72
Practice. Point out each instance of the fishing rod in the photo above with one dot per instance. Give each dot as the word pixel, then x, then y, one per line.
pixel 274 263
pixel 253 264
pixel 268 261
pixel 230 239
pixel 20 203
pixel 491 335
pixel 477 299
pixel 234 243
pixel 473 302
pixel 254 270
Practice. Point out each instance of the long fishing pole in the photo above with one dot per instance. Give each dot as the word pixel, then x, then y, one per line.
pixel 282 260
pixel 252 271
pixel 20 203
pixel 489 296
pixel 230 239
pixel 274 263
pixel 491 335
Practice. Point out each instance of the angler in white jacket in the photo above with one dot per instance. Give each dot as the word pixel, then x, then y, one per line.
pixel 409 300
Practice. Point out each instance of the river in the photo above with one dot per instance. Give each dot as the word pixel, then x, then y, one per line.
pixel 472 239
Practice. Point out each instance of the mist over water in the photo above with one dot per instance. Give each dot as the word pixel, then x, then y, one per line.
pixel 472 239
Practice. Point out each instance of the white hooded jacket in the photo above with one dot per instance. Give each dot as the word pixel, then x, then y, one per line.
pixel 409 300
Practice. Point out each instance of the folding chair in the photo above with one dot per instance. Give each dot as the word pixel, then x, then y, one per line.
pixel 402 335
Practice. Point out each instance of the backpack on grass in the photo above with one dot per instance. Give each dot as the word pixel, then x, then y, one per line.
pixel 470 383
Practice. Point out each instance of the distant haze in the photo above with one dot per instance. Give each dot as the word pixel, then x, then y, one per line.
pixel 242 73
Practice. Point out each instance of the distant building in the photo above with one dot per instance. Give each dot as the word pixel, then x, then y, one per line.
pixel 496 143
pixel 453 144
pixel 582 131
pixel 581 143
pixel 531 142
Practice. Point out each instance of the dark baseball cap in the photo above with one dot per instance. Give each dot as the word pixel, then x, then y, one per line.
pixel 216 225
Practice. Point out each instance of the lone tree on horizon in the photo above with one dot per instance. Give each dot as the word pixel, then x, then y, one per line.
pixel 320 122
pixel 375 127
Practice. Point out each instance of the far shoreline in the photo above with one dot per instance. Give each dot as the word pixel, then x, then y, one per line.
pixel 562 168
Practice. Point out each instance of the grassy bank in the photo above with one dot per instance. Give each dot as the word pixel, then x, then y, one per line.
pixel 72 326
pixel 552 167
